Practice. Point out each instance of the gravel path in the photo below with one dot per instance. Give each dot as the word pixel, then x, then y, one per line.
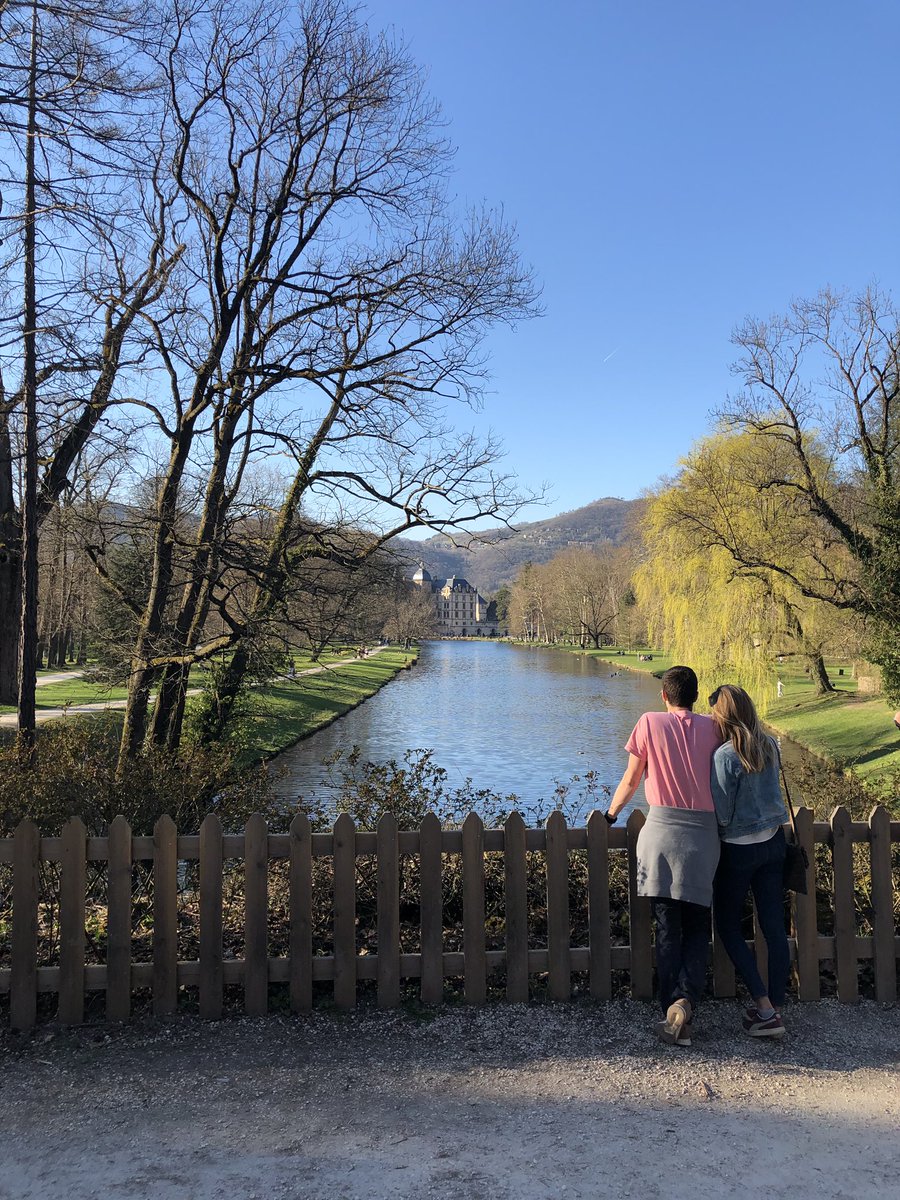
pixel 501 1103
pixel 8 720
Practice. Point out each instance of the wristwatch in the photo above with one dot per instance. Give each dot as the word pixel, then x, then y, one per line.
pixel 610 818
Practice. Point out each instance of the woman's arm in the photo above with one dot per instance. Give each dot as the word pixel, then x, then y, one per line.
pixel 628 785
pixel 723 785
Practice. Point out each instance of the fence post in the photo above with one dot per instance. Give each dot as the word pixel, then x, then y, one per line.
pixel 118 921
pixel 388 877
pixel 23 974
pixel 599 939
pixel 165 917
pixel 639 919
pixel 300 889
pixel 344 868
pixel 211 970
pixel 883 943
pixel 475 960
pixel 256 911
pixel 71 923
pixel 558 929
pixel 844 908
pixel 431 910
pixel 515 885
pixel 805 917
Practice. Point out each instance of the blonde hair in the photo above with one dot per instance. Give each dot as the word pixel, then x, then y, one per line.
pixel 735 714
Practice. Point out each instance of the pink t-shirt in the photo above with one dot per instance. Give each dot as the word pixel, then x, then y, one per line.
pixel 677 748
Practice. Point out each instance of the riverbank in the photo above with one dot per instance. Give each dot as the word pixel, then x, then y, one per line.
pixel 648 662
pixel 280 714
pixel 275 716
pixel 847 731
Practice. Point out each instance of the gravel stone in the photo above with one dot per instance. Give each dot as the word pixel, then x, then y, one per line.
pixel 497 1103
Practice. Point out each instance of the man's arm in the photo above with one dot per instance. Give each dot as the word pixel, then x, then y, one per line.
pixel 628 785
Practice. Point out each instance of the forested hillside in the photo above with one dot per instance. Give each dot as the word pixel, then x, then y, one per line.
pixel 498 557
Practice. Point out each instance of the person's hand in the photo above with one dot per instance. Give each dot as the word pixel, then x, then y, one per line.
pixel 610 819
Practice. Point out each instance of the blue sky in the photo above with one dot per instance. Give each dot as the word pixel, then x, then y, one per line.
pixel 671 168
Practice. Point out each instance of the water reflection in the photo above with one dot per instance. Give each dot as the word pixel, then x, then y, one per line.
pixel 514 720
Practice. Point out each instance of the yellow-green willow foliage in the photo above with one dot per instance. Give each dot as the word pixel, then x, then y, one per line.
pixel 701 612
pixel 715 542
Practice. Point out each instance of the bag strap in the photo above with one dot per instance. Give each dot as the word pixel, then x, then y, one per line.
pixel 787 792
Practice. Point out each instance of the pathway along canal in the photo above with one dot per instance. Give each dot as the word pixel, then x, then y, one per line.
pixel 514 719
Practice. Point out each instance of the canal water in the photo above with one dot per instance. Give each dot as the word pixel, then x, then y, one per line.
pixel 514 720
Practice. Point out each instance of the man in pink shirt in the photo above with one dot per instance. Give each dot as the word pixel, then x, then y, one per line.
pixel 678 847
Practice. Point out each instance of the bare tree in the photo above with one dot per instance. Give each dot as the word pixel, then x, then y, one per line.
pixel 330 305
pixel 589 586
pixel 822 388
pixel 66 159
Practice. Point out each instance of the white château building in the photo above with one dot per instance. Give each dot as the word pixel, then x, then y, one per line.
pixel 459 608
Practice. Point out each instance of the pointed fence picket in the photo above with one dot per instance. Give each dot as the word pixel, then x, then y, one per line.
pixel 519 953
pixel 212 980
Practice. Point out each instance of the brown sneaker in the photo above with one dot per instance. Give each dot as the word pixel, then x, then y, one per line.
pixel 756 1026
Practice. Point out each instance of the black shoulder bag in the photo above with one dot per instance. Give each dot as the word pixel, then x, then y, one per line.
pixel 796 860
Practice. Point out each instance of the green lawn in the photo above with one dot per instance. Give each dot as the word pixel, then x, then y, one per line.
pixel 77 691
pixel 848 729
pixel 618 657
pixel 83 691
pixel 282 713
pixel 843 728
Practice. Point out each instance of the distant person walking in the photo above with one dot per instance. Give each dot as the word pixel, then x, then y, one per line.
pixel 750 811
pixel 678 847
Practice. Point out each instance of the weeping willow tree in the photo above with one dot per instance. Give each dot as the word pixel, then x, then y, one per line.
pixel 720 623
pixel 734 566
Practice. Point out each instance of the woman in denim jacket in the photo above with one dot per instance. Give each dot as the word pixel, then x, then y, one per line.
pixel 750 811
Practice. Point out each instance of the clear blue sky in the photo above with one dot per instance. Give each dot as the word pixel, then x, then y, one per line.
pixel 671 168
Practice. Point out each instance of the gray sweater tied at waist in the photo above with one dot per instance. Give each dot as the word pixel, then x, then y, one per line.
pixel 677 854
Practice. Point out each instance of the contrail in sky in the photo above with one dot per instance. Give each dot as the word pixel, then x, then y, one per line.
pixel 611 353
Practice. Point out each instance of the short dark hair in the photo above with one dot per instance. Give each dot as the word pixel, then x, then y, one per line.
pixel 681 687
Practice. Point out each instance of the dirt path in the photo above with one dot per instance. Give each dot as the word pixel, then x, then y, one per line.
pixel 497 1103
pixel 76 710
pixel 60 677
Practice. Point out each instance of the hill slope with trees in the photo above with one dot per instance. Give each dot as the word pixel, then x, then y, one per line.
pixel 499 554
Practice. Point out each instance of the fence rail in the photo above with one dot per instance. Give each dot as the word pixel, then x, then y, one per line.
pixel 168 853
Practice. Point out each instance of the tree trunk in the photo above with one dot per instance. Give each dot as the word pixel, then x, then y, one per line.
pixel 28 608
pixel 168 714
pixel 10 570
pixel 226 693
pixel 10 593
pixel 819 676
pixel 143 677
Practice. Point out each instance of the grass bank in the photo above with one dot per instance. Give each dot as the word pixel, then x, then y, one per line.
pixel 844 729
pixel 282 713
pixel 630 660
pixel 847 730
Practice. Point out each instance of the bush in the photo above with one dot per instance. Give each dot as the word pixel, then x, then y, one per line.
pixel 73 773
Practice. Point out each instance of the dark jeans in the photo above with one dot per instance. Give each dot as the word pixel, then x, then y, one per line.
pixel 758 868
pixel 682 950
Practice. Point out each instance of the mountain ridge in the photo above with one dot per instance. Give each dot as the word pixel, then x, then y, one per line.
pixel 497 556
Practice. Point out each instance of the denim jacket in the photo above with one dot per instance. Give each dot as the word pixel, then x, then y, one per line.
pixel 746 801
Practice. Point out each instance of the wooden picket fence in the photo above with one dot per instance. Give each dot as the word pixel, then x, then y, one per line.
pixel 71 978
